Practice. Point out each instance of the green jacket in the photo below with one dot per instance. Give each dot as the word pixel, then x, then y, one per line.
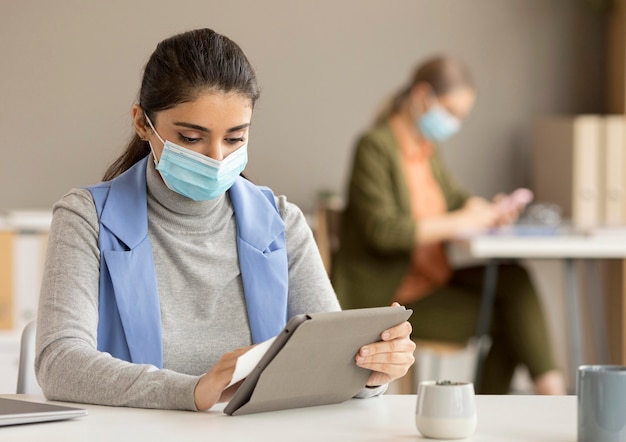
pixel 377 228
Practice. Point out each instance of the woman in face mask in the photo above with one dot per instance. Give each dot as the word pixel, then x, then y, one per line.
pixel 403 205
pixel 159 277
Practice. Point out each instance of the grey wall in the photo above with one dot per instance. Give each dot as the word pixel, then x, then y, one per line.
pixel 70 71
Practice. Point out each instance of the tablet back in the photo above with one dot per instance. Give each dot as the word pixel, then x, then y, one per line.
pixel 316 365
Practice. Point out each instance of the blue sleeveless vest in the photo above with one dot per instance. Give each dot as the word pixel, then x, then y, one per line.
pixel 129 325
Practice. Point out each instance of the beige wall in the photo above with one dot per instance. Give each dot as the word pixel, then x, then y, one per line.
pixel 70 70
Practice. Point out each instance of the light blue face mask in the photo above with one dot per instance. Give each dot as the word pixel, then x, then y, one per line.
pixel 437 124
pixel 197 176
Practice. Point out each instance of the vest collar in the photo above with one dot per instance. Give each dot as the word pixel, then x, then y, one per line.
pixel 261 229
pixel 127 195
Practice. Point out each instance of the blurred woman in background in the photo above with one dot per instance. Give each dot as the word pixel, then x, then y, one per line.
pixel 403 206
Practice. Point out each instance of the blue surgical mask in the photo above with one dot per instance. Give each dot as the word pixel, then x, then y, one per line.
pixel 437 124
pixel 197 176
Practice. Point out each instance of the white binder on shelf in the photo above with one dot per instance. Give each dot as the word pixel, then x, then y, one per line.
pixel 29 256
pixel 613 171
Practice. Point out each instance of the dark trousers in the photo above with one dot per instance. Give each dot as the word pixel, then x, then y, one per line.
pixel 518 330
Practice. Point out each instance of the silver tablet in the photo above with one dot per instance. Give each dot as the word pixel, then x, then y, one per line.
pixel 311 362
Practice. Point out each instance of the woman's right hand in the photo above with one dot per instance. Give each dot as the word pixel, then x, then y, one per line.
pixel 477 214
pixel 211 388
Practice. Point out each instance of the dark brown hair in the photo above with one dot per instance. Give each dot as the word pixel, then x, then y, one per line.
pixel 443 73
pixel 180 68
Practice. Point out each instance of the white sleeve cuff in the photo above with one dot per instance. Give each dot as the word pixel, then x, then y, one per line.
pixel 371 392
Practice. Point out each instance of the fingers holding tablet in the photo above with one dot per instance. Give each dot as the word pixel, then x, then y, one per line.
pixel 390 358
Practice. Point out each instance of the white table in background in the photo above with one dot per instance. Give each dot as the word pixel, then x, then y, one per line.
pixel 386 418
pixel 511 244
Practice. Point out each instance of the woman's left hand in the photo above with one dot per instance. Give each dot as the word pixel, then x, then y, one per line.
pixel 390 358
pixel 508 212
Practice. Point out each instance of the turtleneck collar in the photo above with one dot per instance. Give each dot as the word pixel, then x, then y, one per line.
pixel 190 214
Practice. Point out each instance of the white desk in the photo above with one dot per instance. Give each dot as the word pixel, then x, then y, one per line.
pixel 599 244
pixel 386 418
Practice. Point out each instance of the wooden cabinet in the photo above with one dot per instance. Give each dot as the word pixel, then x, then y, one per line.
pixel 616 58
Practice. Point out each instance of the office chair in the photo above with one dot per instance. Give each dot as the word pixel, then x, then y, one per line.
pixel 26 379
pixel 326 233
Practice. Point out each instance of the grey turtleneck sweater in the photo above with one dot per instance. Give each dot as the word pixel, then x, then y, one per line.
pixel 200 290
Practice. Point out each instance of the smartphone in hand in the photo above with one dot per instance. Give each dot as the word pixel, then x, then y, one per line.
pixel 516 201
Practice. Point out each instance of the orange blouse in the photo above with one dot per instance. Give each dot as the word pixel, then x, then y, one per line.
pixel 429 264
